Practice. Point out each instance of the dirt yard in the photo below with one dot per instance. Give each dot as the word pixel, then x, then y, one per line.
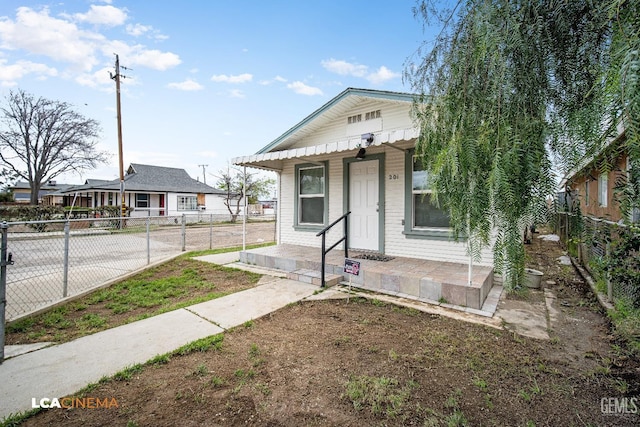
pixel 366 363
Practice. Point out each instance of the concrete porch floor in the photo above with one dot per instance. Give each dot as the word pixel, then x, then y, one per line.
pixel 435 282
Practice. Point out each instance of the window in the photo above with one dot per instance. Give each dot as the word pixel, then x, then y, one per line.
pixel 424 213
pixel 422 219
pixel 187 203
pixel 142 200
pixel 603 184
pixel 311 194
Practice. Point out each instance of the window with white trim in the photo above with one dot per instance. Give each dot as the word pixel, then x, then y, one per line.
pixel 311 195
pixel 603 184
pixel 142 200
pixel 425 215
pixel 187 203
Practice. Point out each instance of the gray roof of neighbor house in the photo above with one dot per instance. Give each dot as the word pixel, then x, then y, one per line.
pixel 147 178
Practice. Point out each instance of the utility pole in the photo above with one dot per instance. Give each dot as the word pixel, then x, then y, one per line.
pixel 204 173
pixel 117 77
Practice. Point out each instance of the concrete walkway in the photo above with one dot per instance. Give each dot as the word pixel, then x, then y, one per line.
pixel 61 370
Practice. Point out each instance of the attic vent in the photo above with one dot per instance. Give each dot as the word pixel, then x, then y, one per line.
pixel 372 115
pixel 354 119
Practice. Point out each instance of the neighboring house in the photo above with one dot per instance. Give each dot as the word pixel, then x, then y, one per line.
pixel 356 153
pixel 150 190
pixel 22 192
pixel 595 189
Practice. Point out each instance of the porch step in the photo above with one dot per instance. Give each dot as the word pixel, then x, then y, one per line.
pixel 313 277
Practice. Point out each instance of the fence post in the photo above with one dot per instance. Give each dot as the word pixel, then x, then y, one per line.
pixel 3 286
pixel 184 232
pixel 65 276
pixel 211 231
pixel 148 242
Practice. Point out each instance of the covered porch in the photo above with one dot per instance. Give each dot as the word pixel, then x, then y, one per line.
pixel 435 282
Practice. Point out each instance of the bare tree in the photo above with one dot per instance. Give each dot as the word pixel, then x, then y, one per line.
pixel 41 139
pixel 233 181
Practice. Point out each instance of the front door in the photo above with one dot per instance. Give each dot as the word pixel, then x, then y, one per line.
pixel 364 220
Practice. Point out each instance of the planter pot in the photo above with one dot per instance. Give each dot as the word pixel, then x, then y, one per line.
pixel 532 278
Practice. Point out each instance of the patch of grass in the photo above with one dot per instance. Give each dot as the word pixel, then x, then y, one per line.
pixel 378 303
pixel 175 284
pixel 200 371
pixel 91 321
pixel 249 324
pixel 216 381
pixel 194 254
pixel 263 388
pixel 481 384
pixel 161 359
pixel 201 345
pixel 127 373
pixel 254 351
pixel 380 395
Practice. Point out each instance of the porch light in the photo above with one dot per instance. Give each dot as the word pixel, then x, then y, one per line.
pixel 366 140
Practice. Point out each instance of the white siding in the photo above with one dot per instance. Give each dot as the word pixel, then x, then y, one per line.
pixel 394 116
pixel 395 242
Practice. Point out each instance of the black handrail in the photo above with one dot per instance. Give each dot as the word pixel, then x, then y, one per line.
pixel 344 239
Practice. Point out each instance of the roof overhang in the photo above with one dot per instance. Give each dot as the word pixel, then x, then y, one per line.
pixel 274 160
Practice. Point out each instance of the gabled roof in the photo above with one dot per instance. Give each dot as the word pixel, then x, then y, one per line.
pixel 148 178
pixel 288 145
pixel 346 100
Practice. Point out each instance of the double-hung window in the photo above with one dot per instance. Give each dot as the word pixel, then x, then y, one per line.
pixel 187 203
pixel 311 195
pixel 422 217
pixel 142 200
pixel 603 184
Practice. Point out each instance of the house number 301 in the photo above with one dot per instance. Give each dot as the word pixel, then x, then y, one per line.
pixel 393 176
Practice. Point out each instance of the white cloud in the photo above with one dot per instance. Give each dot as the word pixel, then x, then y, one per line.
pixel 103 15
pixel 154 59
pixel 275 79
pixel 187 85
pixel 240 78
pixel 137 30
pixel 302 89
pixel 236 93
pixel 344 68
pixel 382 75
pixel 11 73
pixel 98 79
pixel 39 33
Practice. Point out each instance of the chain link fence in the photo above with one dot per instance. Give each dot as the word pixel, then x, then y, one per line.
pixel 53 260
pixel 606 250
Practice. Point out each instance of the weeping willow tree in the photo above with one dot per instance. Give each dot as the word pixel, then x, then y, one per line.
pixel 507 86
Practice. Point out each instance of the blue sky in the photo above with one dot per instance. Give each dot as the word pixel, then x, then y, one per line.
pixel 208 80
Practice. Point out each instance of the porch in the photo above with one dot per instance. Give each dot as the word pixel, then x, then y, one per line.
pixel 435 282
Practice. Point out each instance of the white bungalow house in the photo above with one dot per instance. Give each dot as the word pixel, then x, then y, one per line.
pixel 150 190
pixel 356 154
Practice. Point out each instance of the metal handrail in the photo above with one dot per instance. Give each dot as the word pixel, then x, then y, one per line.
pixel 344 239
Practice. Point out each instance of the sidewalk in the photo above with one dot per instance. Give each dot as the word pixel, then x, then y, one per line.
pixel 61 370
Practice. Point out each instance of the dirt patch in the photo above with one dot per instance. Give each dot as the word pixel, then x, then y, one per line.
pixel 363 362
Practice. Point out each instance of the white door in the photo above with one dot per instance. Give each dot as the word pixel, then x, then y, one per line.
pixel 363 204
